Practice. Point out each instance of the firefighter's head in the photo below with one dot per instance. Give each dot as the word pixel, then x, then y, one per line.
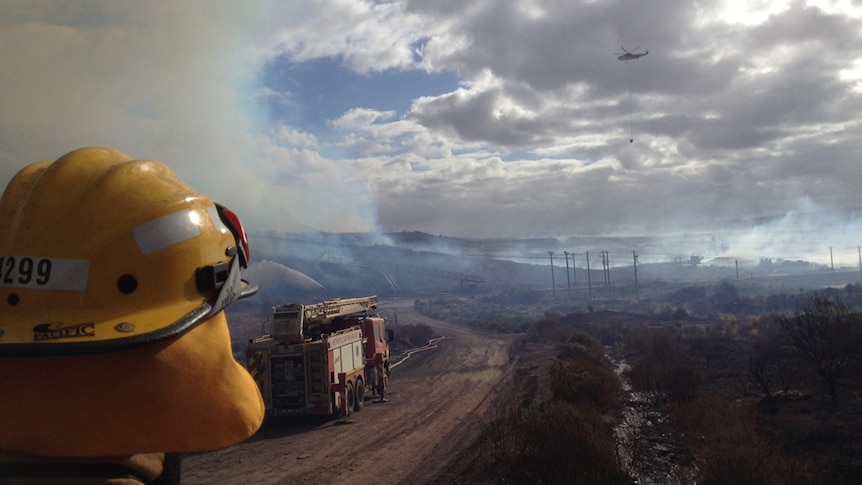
pixel 113 282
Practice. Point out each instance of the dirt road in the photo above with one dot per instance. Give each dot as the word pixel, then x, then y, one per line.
pixel 419 436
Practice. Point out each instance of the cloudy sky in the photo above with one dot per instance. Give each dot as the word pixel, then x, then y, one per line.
pixel 473 118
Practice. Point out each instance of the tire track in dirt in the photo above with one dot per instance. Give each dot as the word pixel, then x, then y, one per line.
pixel 435 403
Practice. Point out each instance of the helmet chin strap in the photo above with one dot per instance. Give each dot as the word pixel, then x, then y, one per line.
pixel 232 289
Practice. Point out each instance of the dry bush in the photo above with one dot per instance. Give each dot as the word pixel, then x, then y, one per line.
pixel 565 440
pixel 727 449
pixel 549 329
pixel 558 443
pixel 662 367
pixel 413 335
pixel 827 337
pixel 674 381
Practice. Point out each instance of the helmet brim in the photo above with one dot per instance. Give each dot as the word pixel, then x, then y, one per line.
pixel 248 289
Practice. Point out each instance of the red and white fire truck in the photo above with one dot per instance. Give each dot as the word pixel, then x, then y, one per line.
pixel 321 359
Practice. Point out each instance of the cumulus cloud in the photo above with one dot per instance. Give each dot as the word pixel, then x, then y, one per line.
pixel 739 110
pixel 368 36
pixel 730 114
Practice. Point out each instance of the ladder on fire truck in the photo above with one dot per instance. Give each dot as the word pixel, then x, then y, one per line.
pixel 338 308
pixel 290 321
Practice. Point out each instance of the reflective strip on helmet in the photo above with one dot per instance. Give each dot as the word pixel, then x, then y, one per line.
pixel 43 273
pixel 167 230
pixel 216 220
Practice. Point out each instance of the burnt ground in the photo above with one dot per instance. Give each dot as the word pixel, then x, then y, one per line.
pixel 798 421
pixel 440 399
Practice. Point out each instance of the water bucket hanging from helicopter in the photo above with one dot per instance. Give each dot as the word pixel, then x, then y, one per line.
pixel 627 56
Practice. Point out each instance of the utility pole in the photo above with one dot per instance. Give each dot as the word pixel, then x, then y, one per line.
pixel 635 259
pixel 737 269
pixel 860 257
pixel 568 280
pixel 553 282
pixel 606 266
pixel 574 272
pixel 589 278
pixel 831 261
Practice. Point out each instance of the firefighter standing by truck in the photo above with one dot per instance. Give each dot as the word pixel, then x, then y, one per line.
pixel 115 354
pixel 381 371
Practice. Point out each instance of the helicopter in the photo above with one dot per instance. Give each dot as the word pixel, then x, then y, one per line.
pixel 628 56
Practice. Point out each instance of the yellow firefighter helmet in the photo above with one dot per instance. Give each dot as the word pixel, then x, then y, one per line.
pixel 114 275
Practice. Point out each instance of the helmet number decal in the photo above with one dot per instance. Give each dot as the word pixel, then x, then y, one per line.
pixel 43 273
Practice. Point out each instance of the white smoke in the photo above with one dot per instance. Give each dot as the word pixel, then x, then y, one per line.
pixel 809 232
pixel 175 82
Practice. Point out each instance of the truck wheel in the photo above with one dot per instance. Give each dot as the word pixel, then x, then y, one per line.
pixel 351 399
pixel 360 394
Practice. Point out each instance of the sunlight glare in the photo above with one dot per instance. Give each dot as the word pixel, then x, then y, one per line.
pixel 750 13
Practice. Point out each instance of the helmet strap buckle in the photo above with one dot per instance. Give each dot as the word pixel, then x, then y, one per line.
pixel 213 277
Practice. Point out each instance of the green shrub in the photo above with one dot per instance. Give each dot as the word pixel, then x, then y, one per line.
pixel 580 344
pixel 586 382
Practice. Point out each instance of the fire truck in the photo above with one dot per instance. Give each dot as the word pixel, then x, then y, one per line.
pixel 321 359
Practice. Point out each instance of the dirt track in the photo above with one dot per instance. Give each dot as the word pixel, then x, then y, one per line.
pixel 419 436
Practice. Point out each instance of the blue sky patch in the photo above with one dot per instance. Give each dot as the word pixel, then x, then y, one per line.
pixel 323 89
